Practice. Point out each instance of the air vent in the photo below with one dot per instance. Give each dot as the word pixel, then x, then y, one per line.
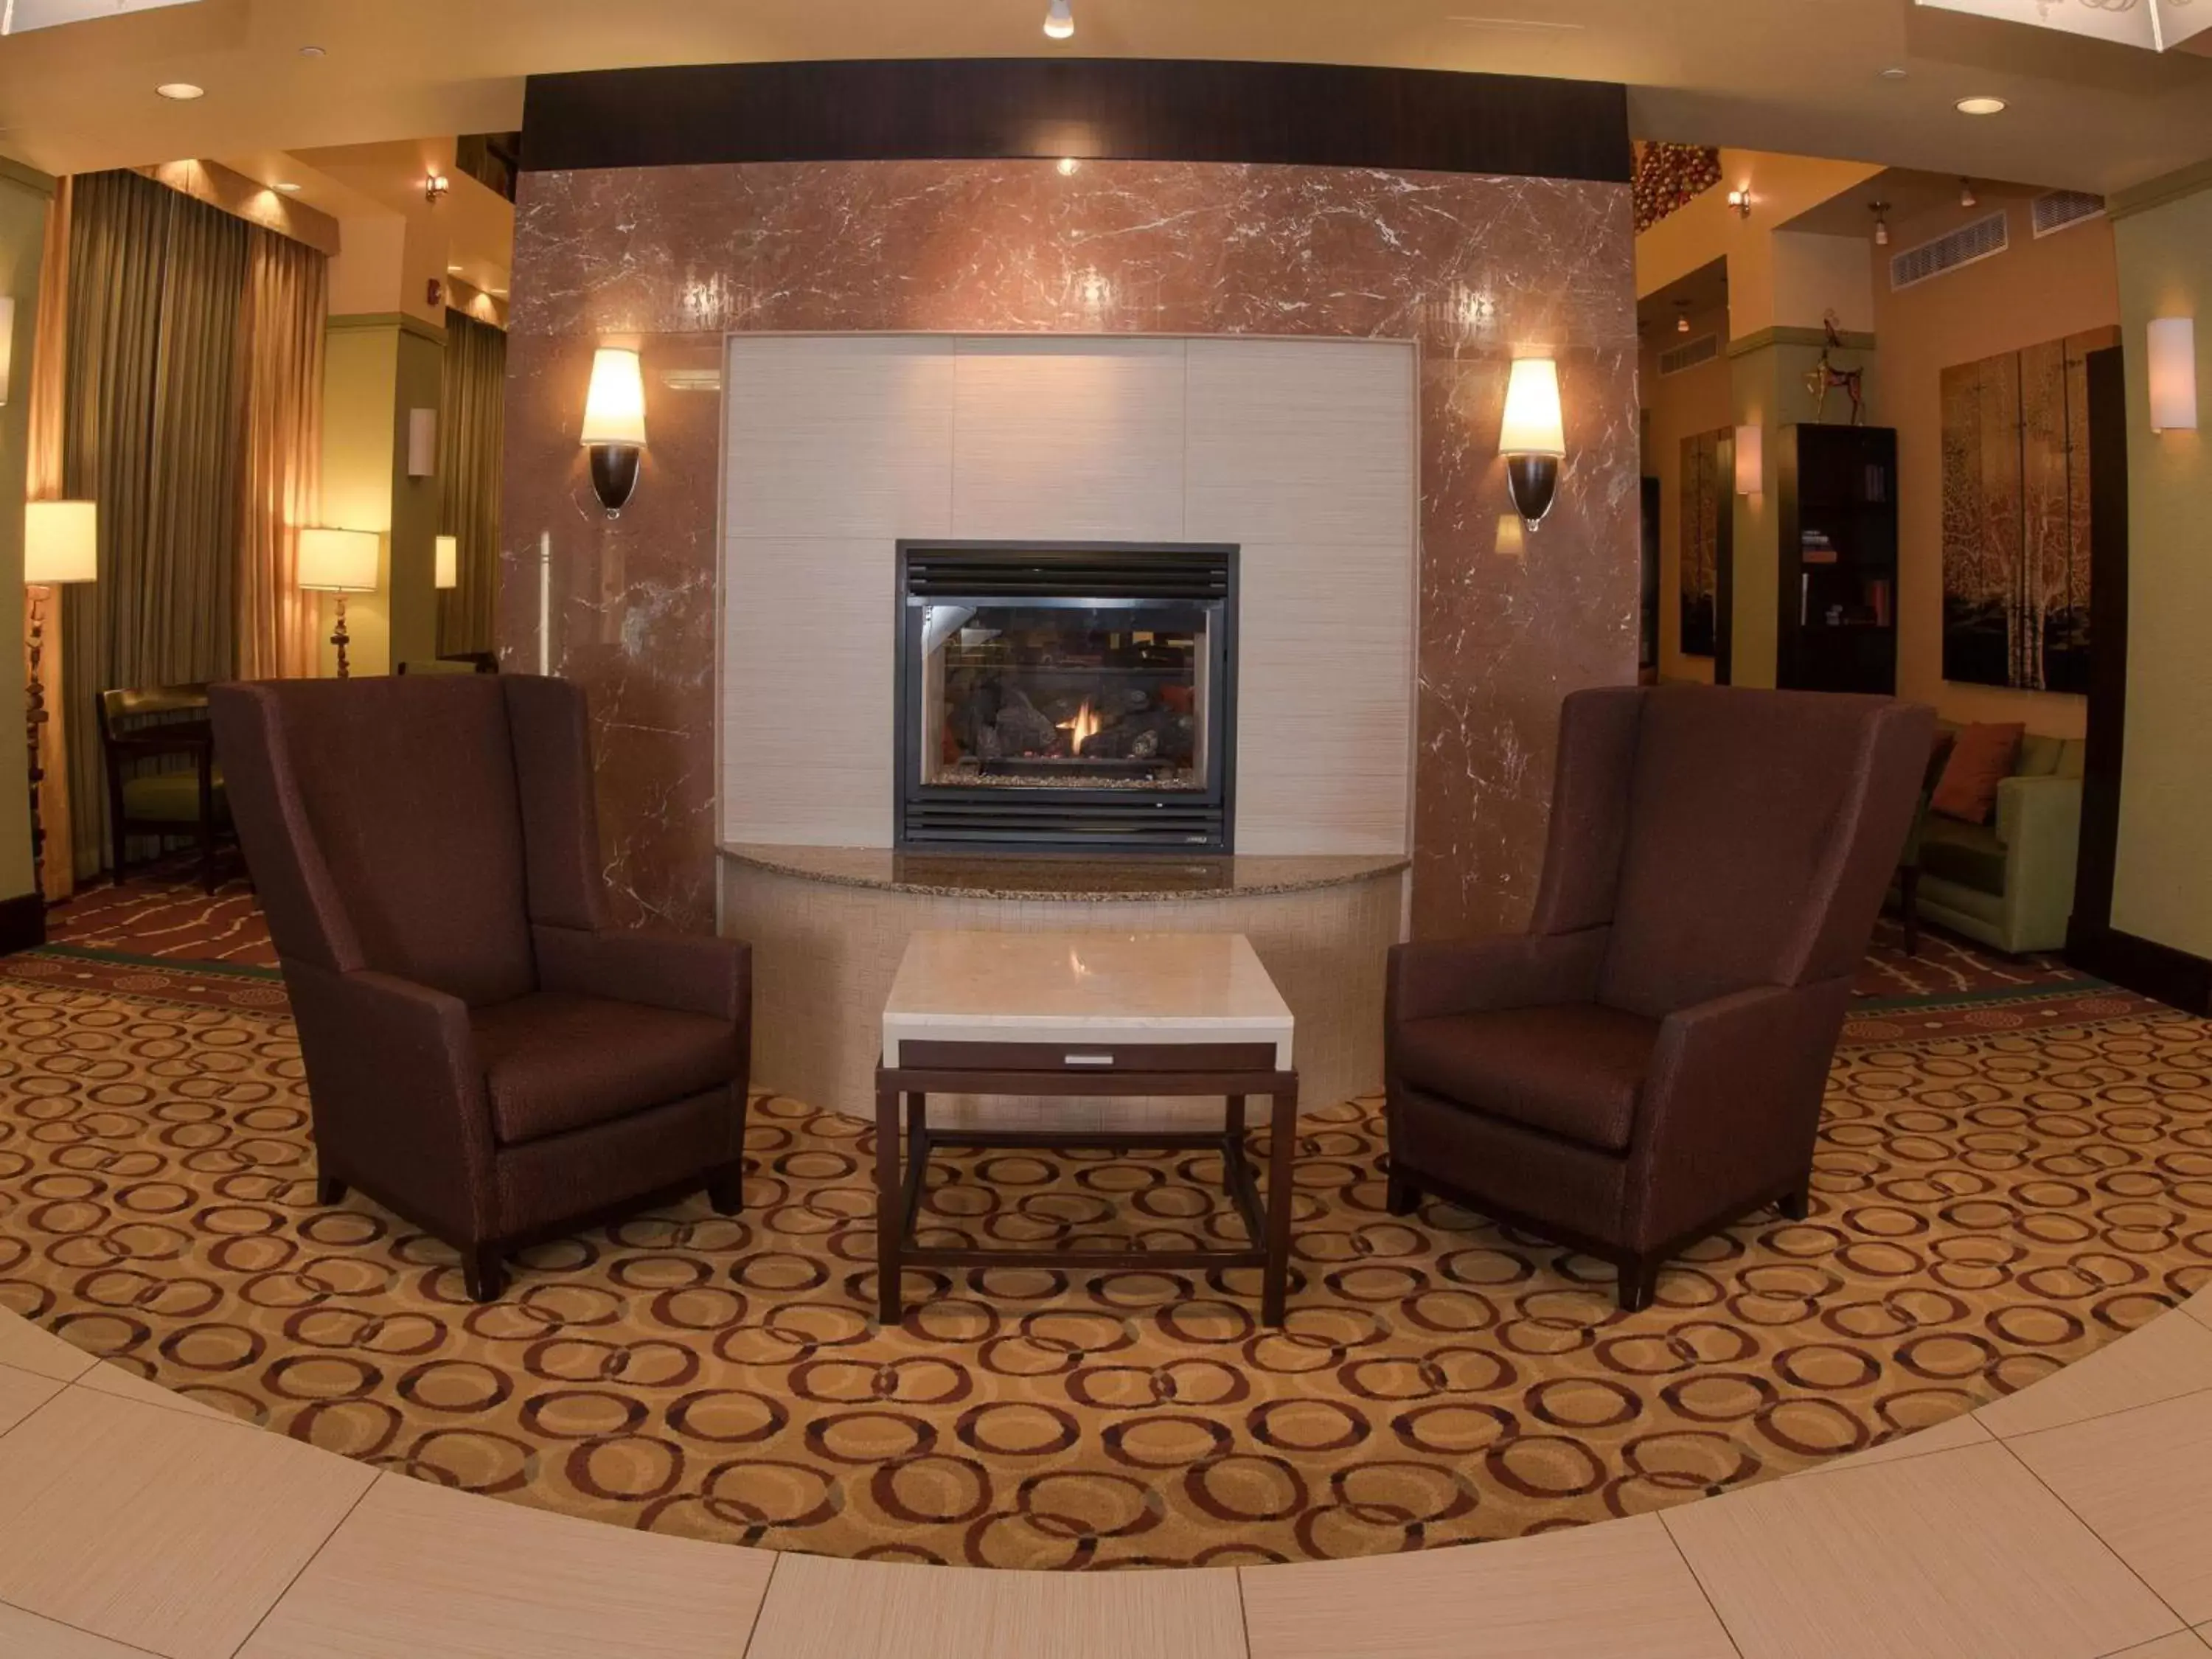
pixel 1983 239
pixel 2056 209
pixel 1689 354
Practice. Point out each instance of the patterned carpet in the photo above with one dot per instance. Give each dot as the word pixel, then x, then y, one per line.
pixel 2006 1182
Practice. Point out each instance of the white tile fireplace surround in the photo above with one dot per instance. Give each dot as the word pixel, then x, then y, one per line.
pixel 1298 452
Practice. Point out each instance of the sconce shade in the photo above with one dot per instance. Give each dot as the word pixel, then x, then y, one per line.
pixel 1534 425
pixel 61 542
pixel 2173 374
pixel 448 571
pixel 339 560
pixel 7 348
pixel 614 409
pixel 1750 460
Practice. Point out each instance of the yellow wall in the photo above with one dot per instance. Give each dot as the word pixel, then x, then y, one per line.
pixel 2162 886
pixel 1782 186
pixel 2036 292
pixel 23 198
pixel 1680 406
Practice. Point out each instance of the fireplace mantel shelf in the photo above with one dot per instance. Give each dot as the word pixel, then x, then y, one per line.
pixel 1087 878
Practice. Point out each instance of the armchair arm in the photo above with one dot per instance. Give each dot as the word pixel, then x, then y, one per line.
pixel 2039 821
pixel 1505 970
pixel 693 973
pixel 398 1093
pixel 1731 1105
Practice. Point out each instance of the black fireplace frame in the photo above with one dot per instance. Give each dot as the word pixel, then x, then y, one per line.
pixel 943 818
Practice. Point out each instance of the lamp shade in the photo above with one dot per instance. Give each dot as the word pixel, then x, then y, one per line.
pixel 449 562
pixel 1534 425
pixel 614 409
pixel 1750 460
pixel 339 560
pixel 2173 374
pixel 61 542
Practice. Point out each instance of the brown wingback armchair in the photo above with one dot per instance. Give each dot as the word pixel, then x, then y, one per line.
pixel 1646 1063
pixel 485 1056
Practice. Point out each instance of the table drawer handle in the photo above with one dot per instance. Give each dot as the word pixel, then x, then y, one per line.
pixel 1086 1060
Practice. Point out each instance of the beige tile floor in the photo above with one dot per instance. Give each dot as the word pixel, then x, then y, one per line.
pixel 2071 1521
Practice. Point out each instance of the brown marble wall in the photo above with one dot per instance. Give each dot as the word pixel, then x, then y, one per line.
pixel 1474 269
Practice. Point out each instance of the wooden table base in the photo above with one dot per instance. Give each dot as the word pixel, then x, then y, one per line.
pixel 1023 1069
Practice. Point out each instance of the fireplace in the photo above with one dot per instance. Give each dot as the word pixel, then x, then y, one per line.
pixel 1054 695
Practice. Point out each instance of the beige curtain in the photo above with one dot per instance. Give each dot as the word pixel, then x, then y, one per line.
pixel 48 375
pixel 470 431
pixel 286 304
pixel 154 410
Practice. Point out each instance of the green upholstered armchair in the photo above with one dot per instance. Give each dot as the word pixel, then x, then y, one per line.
pixel 163 725
pixel 2009 883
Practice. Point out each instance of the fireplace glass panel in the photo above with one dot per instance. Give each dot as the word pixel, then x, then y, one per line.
pixel 1077 694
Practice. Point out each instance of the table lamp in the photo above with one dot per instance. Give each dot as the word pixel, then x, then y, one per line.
pixel 61 543
pixel 339 561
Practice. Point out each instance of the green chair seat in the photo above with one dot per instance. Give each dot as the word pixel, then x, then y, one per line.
pixel 1968 853
pixel 171 798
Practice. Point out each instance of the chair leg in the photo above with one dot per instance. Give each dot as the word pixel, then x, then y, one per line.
pixel 1639 1280
pixel 328 1190
pixel 482 1274
pixel 1402 1197
pixel 726 1188
pixel 1797 1203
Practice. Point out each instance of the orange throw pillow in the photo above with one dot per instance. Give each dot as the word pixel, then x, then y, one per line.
pixel 1981 758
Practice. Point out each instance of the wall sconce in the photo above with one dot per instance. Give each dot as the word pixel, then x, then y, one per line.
pixel 614 425
pixel 1750 460
pixel 446 571
pixel 7 348
pixel 1740 201
pixel 339 561
pixel 421 442
pixel 1533 439
pixel 2173 374
pixel 434 186
pixel 1881 212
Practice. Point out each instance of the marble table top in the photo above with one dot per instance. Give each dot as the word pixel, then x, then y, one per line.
pixel 1085 988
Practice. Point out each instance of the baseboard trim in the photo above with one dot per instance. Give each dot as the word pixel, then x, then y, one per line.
pixel 2175 977
pixel 22 923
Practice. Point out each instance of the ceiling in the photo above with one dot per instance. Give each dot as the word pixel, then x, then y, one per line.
pixel 1798 76
pixel 1701 293
pixel 1906 194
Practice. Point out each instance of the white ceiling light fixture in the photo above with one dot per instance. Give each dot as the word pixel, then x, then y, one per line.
pixel 1966 197
pixel 180 92
pixel 1881 212
pixel 1895 72
pixel 1981 104
pixel 287 187
pixel 1060 20
pixel 313 51
pixel 2153 25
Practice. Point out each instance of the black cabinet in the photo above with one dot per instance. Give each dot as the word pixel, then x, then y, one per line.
pixel 1836 631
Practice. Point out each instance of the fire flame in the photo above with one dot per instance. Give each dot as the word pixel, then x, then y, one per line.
pixel 1085 725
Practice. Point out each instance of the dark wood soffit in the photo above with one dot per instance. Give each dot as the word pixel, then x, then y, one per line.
pixel 1093 108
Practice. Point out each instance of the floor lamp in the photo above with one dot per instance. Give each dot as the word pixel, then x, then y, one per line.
pixel 61 543
pixel 339 561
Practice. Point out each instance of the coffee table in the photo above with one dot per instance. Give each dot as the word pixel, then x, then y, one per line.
pixel 1088 1015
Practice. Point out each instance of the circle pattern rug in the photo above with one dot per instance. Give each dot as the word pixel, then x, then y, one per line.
pixel 1988 1206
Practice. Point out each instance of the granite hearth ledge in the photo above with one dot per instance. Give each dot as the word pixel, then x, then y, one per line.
pixel 1076 879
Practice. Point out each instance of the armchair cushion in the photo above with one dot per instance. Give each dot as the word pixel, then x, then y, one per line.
pixel 1968 853
pixel 555 1062
pixel 171 798
pixel 1573 1069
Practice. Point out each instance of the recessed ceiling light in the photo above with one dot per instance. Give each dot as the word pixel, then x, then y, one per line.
pixel 312 51
pixel 182 91
pixel 287 187
pixel 1068 164
pixel 1895 72
pixel 1060 20
pixel 452 271
pixel 1983 106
